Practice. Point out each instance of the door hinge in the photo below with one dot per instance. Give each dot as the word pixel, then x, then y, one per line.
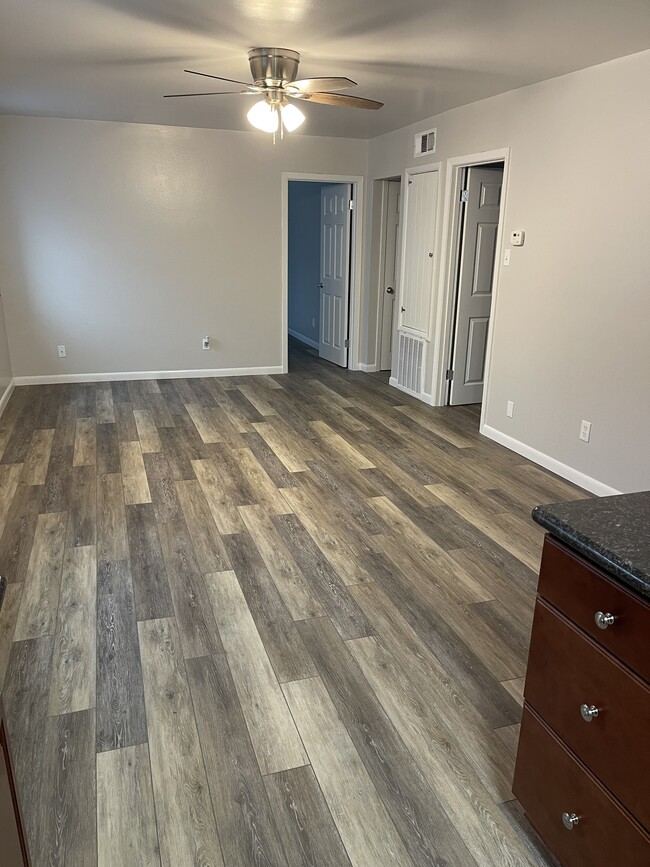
pixel 449 375
pixel 351 204
pixel 464 196
pixel 346 343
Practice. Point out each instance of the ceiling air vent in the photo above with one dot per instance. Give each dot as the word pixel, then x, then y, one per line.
pixel 425 142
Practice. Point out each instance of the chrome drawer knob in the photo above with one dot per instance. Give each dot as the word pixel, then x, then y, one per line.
pixel 603 620
pixel 588 712
pixel 570 820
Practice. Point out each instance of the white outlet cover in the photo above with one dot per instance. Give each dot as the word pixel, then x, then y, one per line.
pixel 585 431
pixel 61 350
pixel 510 408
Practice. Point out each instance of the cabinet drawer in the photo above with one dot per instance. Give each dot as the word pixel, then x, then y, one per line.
pixel 580 591
pixel 549 782
pixel 567 670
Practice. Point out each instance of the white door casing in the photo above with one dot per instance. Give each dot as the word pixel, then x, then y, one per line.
pixel 475 278
pixel 335 272
pixel 390 273
pixel 418 238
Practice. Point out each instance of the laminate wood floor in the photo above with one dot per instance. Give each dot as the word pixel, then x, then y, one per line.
pixel 265 621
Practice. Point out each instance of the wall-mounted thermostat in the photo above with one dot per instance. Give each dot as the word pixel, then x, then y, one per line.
pixel 517 238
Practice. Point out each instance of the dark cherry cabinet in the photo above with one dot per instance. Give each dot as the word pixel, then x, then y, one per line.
pixel 13 846
pixel 583 762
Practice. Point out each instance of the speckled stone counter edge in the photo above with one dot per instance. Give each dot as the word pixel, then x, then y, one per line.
pixel 591 550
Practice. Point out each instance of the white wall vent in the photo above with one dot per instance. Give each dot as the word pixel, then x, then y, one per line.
pixel 425 142
pixel 409 363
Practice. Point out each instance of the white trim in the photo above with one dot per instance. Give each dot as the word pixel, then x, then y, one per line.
pixel 442 309
pixel 4 400
pixel 48 379
pixel 549 463
pixel 356 259
pixel 369 368
pixel 303 338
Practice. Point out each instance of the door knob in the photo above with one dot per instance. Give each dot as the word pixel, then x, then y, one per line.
pixel 604 620
pixel 403 309
pixel 588 712
pixel 320 285
pixel 570 820
pixel 390 290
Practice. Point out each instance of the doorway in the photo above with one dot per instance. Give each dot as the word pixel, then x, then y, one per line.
pixel 321 265
pixel 389 269
pixel 477 230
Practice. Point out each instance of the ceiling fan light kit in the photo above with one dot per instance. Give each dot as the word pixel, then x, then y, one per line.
pixel 274 73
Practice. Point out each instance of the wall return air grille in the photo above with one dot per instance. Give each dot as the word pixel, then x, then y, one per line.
pixel 409 363
pixel 425 142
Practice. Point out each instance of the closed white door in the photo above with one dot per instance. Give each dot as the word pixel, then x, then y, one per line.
pixel 475 275
pixel 418 251
pixel 390 272
pixel 335 272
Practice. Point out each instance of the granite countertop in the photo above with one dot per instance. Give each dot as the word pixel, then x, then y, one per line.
pixel 612 532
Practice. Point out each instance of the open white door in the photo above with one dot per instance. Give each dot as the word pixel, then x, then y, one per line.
pixel 335 272
pixel 476 271
pixel 390 271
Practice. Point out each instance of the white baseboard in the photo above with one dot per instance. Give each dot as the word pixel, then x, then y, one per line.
pixel 4 400
pixel 368 368
pixel 303 339
pixel 549 463
pixel 145 374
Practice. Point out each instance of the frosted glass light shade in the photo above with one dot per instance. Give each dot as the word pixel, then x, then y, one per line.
pixel 292 117
pixel 263 117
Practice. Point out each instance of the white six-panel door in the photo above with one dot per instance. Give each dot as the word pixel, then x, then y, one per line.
pixel 476 271
pixel 418 251
pixel 335 272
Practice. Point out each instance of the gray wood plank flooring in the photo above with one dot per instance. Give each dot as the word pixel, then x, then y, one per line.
pixel 269 621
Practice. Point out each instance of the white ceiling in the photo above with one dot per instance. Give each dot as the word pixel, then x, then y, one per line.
pixel 114 59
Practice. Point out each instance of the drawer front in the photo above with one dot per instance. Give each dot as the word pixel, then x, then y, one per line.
pixel 549 782
pixel 580 591
pixel 565 671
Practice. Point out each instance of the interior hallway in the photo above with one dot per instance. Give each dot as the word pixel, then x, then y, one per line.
pixel 265 621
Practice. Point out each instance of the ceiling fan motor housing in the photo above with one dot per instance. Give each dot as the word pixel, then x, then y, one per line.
pixel 273 67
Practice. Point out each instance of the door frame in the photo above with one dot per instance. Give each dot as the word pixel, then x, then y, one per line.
pixel 443 313
pixel 380 213
pixel 356 259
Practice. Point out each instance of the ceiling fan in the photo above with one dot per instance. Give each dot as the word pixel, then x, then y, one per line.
pixel 274 72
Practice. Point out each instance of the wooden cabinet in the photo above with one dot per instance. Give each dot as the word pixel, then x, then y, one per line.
pixel 13 845
pixel 584 752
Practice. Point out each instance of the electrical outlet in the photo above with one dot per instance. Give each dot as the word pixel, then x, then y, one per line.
pixel 206 342
pixel 510 408
pixel 61 350
pixel 585 431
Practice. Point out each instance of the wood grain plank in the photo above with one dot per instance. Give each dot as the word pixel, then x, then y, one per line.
pixel 9 477
pixel 246 825
pixel 147 431
pixel 194 619
pixel 293 461
pixel 308 831
pixel 264 491
pixel 37 613
pixel 8 617
pixel 104 411
pixel 124 421
pixel 281 640
pixel 223 509
pixel 162 488
pixel 369 836
pixel 126 817
pixel 289 580
pixel 56 496
pixel 325 583
pixel 186 826
pixel 67 834
pixel 120 703
pixel 275 739
pixel 72 686
pixel 204 422
pixel 346 450
pixel 38 457
pixel 210 551
pixel 134 476
pixel 112 539
pixel 85 443
pixel 150 585
pixel 18 536
pixel 82 507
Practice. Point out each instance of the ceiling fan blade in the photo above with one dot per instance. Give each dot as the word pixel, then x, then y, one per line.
pixel 250 86
pixel 211 93
pixel 342 100
pixel 312 84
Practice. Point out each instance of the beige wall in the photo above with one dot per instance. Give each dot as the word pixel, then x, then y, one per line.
pixel 5 362
pixel 128 243
pixel 571 320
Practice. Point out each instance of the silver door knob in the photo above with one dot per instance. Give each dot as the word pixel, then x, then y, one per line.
pixel 604 620
pixel 570 820
pixel 403 309
pixel 320 285
pixel 588 712
pixel 390 290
